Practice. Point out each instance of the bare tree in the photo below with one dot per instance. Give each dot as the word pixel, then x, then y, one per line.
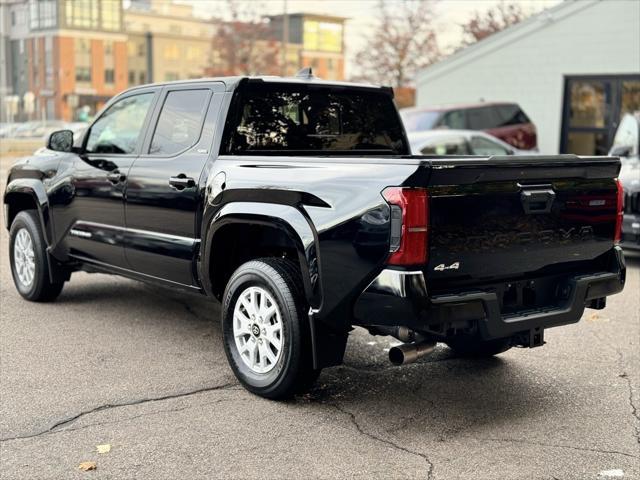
pixel 243 44
pixel 483 24
pixel 403 42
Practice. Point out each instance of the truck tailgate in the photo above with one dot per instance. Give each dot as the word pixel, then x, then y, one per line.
pixel 504 217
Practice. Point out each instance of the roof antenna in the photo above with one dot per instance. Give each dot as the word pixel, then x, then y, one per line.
pixel 305 72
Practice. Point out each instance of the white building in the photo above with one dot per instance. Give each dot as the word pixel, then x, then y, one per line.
pixel 574 69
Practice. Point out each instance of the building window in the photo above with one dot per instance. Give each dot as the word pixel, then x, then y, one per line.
pixel 132 77
pixel 109 76
pixel 82 13
pixel 170 76
pixel 194 53
pixel 110 12
pixel 83 60
pixel 48 61
pixel 13 19
pixel 42 14
pixel 83 74
pixel 143 78
pixel 323 36
pixel 36 59
pixel 171 52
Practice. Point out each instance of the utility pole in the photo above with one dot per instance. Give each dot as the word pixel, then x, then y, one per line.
pixel 285 37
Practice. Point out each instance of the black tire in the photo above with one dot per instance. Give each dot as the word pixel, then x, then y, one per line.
pixel 293 371
pixel 466 346
pixel 40 289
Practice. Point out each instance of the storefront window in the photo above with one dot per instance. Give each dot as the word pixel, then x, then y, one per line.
pixel 593 107
pixel 630 97
pixel 589 101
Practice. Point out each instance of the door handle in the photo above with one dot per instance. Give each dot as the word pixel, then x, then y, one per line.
pixel 181 182
pixel 116 177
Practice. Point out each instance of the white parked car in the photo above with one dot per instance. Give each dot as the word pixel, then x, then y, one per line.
pixel 460 142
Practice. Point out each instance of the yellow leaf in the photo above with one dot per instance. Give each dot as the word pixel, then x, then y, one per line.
pixel 106 448
pixel 86 466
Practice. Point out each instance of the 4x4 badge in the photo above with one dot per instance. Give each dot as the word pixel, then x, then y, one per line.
pixel 442 266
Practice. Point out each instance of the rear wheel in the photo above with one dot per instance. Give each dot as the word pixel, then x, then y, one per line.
pixel 266 330
pixel 466 346
pixel 28 256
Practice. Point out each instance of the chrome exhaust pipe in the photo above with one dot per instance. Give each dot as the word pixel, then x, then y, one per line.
pixel 410 352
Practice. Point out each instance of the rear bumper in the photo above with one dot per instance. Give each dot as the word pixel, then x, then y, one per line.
pixel 401 298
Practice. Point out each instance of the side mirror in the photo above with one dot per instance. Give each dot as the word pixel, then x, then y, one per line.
pixel 60 141
pixel 620 151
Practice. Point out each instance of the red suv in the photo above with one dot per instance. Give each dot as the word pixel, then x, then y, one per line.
pixel 506 121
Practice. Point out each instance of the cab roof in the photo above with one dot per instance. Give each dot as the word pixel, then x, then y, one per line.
pixel 232 82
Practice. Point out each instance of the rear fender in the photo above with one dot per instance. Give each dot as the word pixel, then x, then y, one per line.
pixel 291 221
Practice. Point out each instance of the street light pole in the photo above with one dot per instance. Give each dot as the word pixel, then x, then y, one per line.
pixel 285 37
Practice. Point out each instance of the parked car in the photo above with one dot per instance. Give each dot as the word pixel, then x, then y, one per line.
pixel 7 129
pixel 298 205
pixel 626 145
pixel 506 121
pixel 460 142
pixel 38 129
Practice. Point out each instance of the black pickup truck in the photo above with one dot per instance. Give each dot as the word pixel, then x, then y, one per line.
pixel 297 204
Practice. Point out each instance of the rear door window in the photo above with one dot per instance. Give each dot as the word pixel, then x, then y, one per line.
pixel 288 118
pixel 511 115
pixel 454 119
pixel 180 122
pixel 482 118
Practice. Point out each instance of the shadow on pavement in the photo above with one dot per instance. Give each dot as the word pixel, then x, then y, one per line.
pixel 441 393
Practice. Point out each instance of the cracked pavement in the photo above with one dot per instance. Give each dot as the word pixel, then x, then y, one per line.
pixel 143 369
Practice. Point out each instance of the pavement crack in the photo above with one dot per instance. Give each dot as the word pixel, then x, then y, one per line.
pixel 552 445
pixel 372 436
pixel 625 376
pixel 62 423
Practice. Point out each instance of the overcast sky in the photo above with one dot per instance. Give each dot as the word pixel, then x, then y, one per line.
pixel 361 16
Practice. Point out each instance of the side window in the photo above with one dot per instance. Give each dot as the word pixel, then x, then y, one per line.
pixel 482 118
pixel 118 129
pixel 180 122
pixel 484 146
pixel 511 115
pixel 446 146
pixel 454 119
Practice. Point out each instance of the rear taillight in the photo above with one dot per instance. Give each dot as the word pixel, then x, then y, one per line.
pixel 619 213
pixel 409 225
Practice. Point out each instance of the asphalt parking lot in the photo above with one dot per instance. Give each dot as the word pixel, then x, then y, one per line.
pixel 142 369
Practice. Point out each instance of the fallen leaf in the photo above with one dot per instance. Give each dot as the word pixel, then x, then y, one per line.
pixel 86 466
pixel 105 448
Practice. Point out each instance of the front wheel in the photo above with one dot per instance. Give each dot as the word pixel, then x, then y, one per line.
pixel 266 330
pixel 28 257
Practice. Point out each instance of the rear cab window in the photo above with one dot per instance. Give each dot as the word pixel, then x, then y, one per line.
pixel 271 118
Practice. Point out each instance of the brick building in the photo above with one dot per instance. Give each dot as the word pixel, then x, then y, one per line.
pixel 70 54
